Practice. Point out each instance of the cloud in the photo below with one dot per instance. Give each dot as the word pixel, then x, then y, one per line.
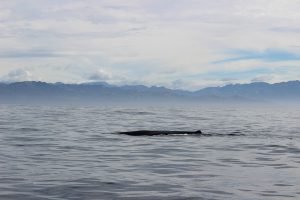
pixel 266 78
pixel 286 29
pixel 100 75
pixel 143 40
pixel 17 75
pixel 30 54
pixel 269 55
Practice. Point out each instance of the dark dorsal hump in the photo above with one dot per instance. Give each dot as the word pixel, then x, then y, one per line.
pixel 153 133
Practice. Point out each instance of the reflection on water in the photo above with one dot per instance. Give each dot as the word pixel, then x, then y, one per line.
pixel 73 153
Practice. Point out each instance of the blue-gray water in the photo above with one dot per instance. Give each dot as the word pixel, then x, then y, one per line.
pixel 71 152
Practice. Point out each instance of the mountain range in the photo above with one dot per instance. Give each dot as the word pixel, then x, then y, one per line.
pixel 34 92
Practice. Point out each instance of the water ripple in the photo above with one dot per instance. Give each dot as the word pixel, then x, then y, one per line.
pixel 74 153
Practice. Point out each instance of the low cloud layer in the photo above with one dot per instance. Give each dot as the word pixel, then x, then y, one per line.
pixel 179 43
pixel 100 75
pixel 17 76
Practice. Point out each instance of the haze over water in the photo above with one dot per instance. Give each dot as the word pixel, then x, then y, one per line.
pixel 69 152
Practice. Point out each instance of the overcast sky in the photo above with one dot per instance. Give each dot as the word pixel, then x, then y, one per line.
pixel 187 44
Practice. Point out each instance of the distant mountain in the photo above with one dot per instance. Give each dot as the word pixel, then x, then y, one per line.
pixel 256 91
pixel 40 92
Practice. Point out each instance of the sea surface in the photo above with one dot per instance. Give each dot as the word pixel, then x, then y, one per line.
pixel 74 152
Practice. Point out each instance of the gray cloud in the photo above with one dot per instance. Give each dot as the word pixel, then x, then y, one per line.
pixel 100 75
pixel 286 29
pixel 30 54
pixel 265 78
pixel 17 75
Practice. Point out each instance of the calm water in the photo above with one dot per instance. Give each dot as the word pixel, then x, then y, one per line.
pixel 70 152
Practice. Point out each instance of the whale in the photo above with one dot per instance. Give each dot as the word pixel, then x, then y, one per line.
pixel 162 132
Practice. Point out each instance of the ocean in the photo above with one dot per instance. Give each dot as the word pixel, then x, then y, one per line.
pixel 249 152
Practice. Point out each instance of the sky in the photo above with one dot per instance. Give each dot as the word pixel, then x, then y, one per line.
pixel 179 44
